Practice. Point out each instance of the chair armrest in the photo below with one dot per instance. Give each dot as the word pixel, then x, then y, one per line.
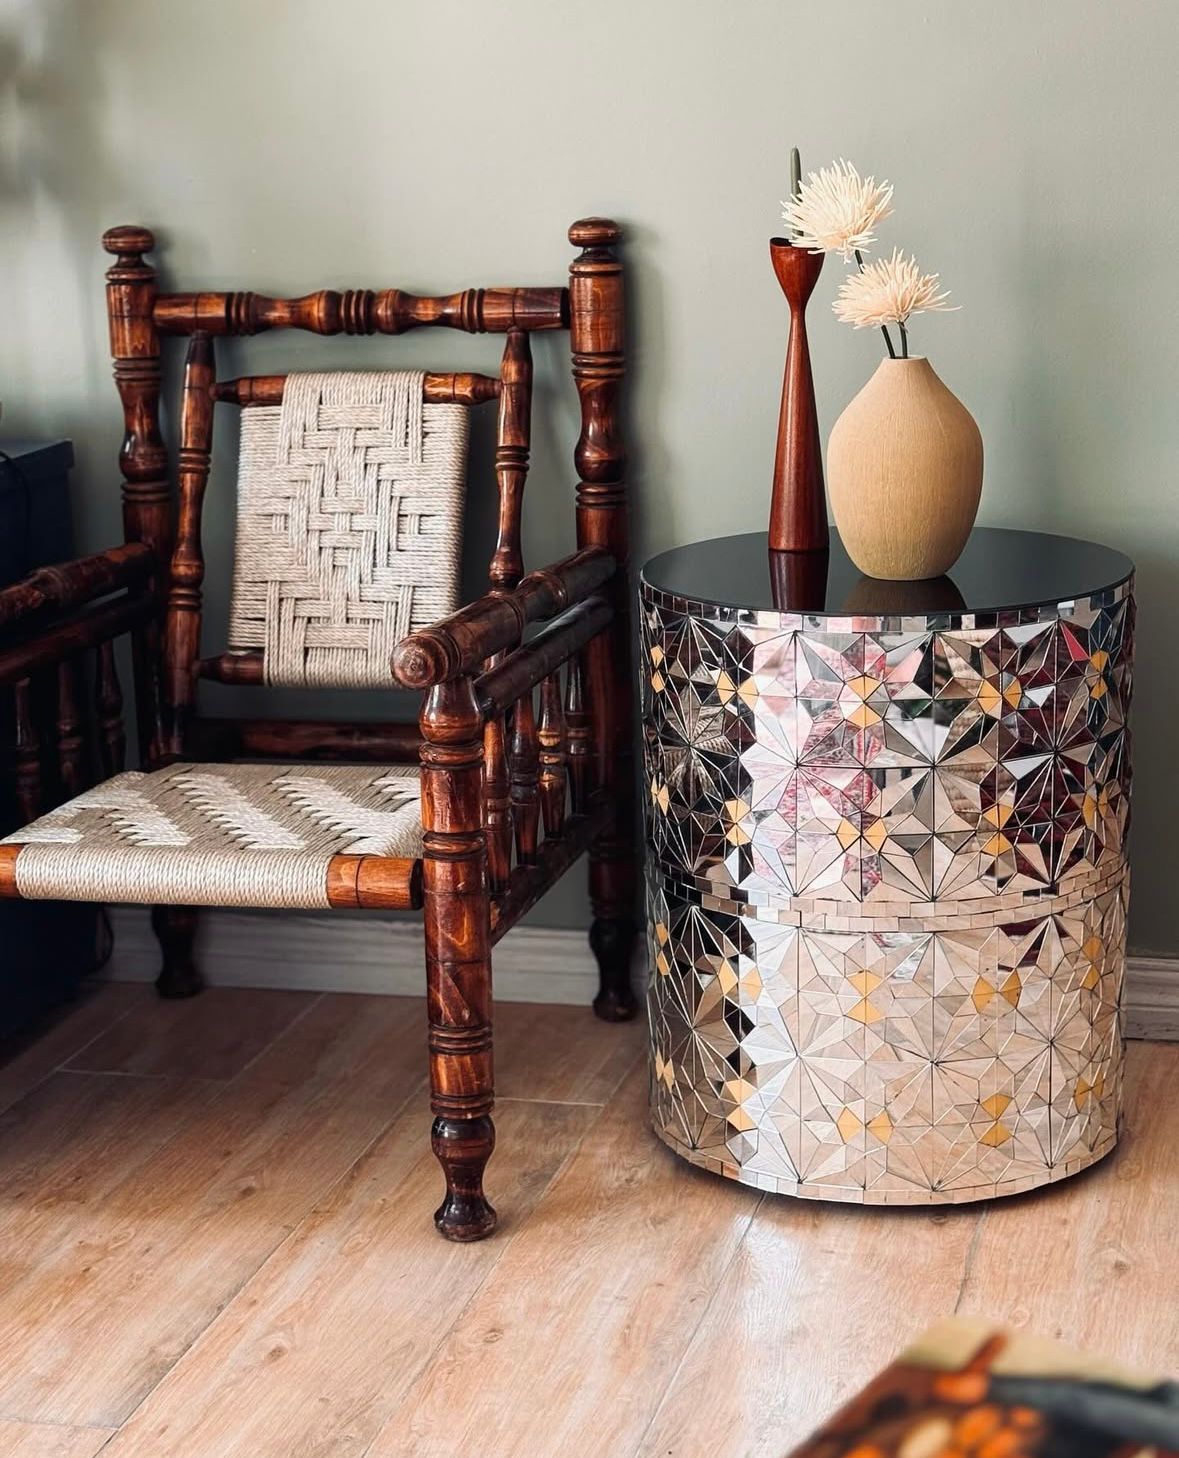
pixel 69 584
pixel 519 673
pixel 459 644
pixel 58 612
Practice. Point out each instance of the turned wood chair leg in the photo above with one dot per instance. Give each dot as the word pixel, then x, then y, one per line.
pixel 463 1148
pixel 613 930
pixel 175 928
pixel 458 955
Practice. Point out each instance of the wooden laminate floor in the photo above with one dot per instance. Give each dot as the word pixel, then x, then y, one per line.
pixel 215 1241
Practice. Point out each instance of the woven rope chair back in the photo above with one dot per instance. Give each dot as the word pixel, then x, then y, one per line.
pixel 349 525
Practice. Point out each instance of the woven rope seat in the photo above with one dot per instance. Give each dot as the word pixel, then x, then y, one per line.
pixel 219 835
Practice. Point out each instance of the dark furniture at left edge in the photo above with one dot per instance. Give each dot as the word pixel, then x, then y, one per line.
pixel 45 947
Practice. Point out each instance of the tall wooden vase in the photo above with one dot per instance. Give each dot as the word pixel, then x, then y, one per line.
pixel 798 508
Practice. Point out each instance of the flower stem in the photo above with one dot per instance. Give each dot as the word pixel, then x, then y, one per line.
pixel 904 340
pixel 892 354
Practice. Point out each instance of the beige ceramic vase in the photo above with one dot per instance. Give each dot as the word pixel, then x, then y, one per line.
pixel 904 473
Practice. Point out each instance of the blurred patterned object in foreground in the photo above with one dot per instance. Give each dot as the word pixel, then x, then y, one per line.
pixel 970 1389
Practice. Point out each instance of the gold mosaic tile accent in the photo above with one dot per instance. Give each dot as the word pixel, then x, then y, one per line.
pixel 888 888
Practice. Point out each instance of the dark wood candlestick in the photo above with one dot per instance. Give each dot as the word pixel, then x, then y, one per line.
pixel 798 580
pixel 798 508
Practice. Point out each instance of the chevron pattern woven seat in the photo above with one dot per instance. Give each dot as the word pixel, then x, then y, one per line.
pixel 219 835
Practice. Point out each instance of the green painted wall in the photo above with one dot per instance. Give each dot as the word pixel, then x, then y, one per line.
pixel 289 144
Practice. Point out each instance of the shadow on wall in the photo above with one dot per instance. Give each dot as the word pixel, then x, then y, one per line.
pixel 67 172
pixel 55 166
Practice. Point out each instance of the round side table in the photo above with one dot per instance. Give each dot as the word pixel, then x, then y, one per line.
pixel 886 865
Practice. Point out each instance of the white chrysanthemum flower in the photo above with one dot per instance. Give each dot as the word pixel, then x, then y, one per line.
pixel 888 291
pixel 837 210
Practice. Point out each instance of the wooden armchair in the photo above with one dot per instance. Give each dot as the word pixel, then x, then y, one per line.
pixel 519 761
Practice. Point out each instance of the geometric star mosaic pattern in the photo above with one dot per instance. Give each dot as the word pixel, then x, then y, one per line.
pixel 887 893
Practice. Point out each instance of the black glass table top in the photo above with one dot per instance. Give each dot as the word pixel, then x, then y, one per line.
pixel 999 569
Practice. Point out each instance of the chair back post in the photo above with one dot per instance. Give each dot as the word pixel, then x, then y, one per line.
pixel 597 341
pixel 182 631
pixel 131 296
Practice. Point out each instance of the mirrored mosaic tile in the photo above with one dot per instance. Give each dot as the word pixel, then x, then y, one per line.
pixel 925 1065
pixel 875 766
pixel 887 894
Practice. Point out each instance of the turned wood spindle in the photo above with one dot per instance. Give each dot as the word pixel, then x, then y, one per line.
pixel 512 437
pixel 497 805
pixel 26 753
pixel 525 780
pixel 70 741
pixel 513 433
pixel 356 311
pixel 577 733
pixel 183 624
pixel 553 755
pixel 108 705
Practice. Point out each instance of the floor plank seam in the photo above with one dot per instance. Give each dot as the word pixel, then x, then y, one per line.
pixel 68 1072
pixel 639 1449
pixel 101 1033
pixel 968 1260
pixel 278 1037
pixel 22 1093
pixel 505 1246
pixel 324 1195
pixel 48 1422
pixel 642 1055
pixel 501 1099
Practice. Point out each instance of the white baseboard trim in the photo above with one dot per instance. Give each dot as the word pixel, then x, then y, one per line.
pixel 1152 998
pixel 317 953
pixel 312 952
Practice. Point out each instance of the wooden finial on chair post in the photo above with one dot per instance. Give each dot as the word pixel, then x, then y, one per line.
pixel 595 233
pixel 135 348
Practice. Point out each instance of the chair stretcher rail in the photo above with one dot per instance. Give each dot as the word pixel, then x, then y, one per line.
pixel 372 883
pixel 437 389
pixel 363 311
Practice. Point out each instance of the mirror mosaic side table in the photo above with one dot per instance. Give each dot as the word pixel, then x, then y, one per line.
pixel 886 865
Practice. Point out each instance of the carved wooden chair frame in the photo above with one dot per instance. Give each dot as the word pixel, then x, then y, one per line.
pixel 509 797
